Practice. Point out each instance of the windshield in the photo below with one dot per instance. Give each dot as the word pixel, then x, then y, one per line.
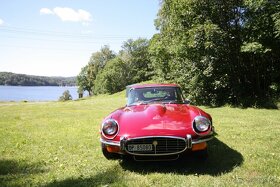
pixel 155 94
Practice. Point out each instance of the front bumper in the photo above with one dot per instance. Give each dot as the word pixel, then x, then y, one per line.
pixel 190 143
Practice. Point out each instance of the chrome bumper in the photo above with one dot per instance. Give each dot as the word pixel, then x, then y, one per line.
pixel 108 142
pixel 189 141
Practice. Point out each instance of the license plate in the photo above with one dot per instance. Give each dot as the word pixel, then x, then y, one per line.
pixel 140 147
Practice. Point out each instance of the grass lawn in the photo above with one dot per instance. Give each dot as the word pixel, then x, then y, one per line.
pixel 57 144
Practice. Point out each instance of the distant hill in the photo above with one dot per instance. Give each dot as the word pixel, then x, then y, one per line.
pixel 13 79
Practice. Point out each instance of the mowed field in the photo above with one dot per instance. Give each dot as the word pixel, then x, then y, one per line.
pixel 57 144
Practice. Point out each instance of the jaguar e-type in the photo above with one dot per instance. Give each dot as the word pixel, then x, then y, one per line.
pixel 156 124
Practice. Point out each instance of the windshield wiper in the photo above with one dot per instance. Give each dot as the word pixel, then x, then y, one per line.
pixel 174 102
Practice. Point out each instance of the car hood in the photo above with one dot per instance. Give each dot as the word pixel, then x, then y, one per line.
pixel 156 120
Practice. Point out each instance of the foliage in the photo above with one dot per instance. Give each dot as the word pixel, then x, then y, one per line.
pixel 113 78
pixel 110 73
pixel 57 144
pixel 160 58
pixel 135 55
pixel 83 82
pixel 13 79
pixel 219 52
pixel 97 62
pixel 66 96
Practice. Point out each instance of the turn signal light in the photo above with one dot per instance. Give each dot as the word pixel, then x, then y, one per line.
pixel 200 146
pixel 113 149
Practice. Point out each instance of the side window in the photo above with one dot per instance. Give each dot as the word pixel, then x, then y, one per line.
pixel 131 97
pixel 179 95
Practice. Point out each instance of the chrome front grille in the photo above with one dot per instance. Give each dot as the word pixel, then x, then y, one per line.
pixel 158 145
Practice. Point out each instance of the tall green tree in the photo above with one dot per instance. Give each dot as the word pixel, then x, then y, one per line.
pixel 135 55
pixel 160 58
pixel 83 81
pixel 112 78
pixel 219 51
pixel 97 62
pixel 261 46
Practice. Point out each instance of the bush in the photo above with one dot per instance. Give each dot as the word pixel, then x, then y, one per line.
pixel 65 96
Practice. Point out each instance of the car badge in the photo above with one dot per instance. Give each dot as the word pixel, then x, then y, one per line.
pixel 155 143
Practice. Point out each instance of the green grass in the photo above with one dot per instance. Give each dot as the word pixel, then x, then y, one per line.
pixel 57 144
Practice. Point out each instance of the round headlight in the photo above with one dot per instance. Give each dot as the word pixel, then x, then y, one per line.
pixel 110 127
pixel 201 124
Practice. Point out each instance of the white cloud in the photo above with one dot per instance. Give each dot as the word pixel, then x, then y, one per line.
pixel 45 11
pixel 1 22
pixel 69 14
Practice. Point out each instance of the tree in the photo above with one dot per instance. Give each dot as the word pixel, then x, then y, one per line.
pixel 83 81
pixel 97 62
pixel 80 92
pixel 135 55
pixel 112 78
pixel 261 46
pixel 190 48
pixel 160 58
pixel 219 51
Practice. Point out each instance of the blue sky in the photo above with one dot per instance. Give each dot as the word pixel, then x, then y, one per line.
pixel 57 37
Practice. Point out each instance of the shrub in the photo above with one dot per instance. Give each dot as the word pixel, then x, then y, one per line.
pixel 65 96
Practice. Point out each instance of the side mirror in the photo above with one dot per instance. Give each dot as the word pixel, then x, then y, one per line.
pixel 187 101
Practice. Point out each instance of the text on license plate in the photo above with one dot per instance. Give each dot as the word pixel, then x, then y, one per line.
pixel 140 147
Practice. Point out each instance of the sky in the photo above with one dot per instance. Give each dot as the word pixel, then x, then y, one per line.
pixel 57 37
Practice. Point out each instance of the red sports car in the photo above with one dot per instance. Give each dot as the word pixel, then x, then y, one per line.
pixel 156 124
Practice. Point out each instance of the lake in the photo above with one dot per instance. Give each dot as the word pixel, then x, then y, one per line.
pixel 35 93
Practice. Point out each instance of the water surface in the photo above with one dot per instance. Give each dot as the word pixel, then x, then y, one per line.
pixel 35 93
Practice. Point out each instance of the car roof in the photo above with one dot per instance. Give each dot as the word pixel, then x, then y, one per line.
pixel 134 86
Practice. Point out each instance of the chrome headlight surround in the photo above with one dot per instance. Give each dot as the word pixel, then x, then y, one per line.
pixel 110 128
pixel 201 125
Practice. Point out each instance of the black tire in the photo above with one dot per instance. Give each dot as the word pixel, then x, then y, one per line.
pixel 108 155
